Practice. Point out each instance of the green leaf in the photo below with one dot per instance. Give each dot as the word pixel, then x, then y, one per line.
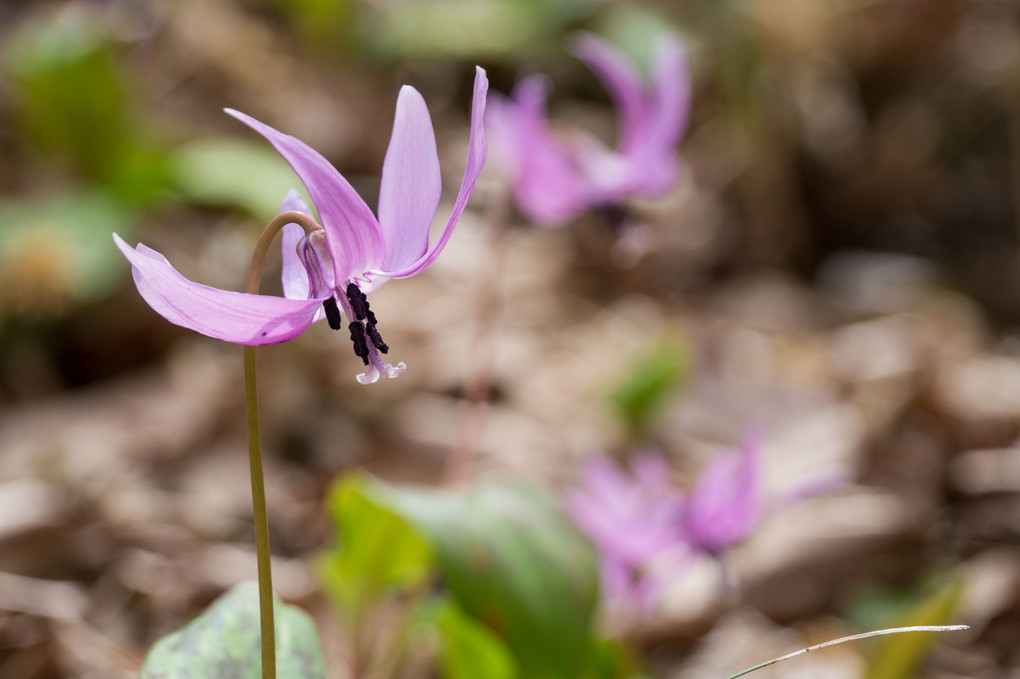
pixel 613 660
pixel 327 25
pixel 69 91
pixel 220 171
pixel 649 383
pixel 469 28
pixel 513 561
pixel 58 251
pixel 378 551
pixel 224 643
pixel 898 657
pixel 468 649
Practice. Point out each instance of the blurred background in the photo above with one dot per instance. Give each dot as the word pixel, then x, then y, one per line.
pixel 838 265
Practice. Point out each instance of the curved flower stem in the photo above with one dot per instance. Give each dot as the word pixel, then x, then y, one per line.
pixel 258 487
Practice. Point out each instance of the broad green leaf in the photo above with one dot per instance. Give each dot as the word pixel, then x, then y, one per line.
pixel 378 551
pixel 467 649
pixel 468 28
pixel 58 252
pixel 71 99
pixel 513 561
pixel 653 378
pixel 328 25
pixel 69 91
pixel 611 659
pixel 898 657
pixel 246 174
pixel 224 643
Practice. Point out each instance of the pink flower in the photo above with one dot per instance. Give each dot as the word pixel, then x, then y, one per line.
pixel 558 176
pixel 632 520
pixel 333 270
pixel 725 503
pixel 645 531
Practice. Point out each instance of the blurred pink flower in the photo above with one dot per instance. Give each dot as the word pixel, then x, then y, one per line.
pixel 632 520
pixel 558 176
pixel 645 531
pixel 336 268
pixel 725 502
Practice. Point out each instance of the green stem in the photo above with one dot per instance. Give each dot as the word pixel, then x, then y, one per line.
pixel 258 506
pixel 258 486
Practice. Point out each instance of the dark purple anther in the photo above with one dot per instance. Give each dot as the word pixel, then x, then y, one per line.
pixel 358 337
pixel 358 300
pixel 373 334
pixel 332 313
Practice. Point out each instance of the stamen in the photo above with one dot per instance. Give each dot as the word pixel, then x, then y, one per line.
pixel 373 334
pixel 358 337
pixel 368 343
pixel 358 300
pixel 332 313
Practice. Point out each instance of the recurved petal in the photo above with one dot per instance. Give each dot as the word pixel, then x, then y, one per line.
pixel 411 183
pixel 352 231
pixel 501 128
pixel 475 162
pixel 671 82
pixel 651 152
pixel 549 186
pixel 230 316
pixel 725 503
pixel 292 271
pixel 623 82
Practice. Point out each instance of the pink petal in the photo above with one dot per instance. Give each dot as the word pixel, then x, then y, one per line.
pixel 623 82
pixel 411 183
pixel 652 472
pixel 725 503
pixel 475 161
pixel 230 316
pixel 818 484
pixel 651 154
pixel 631 518
pixel 352 232
pixel 671 80
pixel 292 271
pixel 548 184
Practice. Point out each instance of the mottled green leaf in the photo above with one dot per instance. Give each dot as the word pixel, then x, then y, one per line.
pixel 224 643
